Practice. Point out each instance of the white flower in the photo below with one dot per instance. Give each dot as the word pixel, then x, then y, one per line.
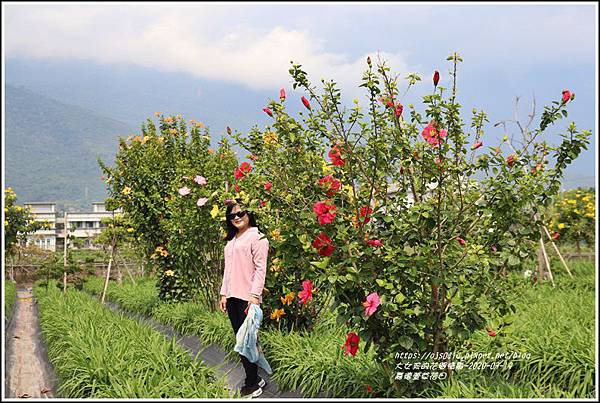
pixel 185 191
pixel 527 273
pixel 201 201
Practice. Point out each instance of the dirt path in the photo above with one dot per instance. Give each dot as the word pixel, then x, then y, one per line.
pixel 28 373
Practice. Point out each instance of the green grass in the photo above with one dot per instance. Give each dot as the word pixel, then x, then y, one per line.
pixel 313 362
pixel 98 353
pixel 556 326
pixel 10 296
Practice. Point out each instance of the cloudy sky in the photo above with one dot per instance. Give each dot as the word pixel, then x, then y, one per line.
pixel 253 44
pixel 509 50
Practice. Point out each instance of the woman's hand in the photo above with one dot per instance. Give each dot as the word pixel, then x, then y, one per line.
pixel 223 304
pixel 254 300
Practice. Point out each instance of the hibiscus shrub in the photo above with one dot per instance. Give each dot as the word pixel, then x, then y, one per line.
pixel 393 229
pixel 171 184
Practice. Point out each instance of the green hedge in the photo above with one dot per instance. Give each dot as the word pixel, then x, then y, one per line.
pixel 99 354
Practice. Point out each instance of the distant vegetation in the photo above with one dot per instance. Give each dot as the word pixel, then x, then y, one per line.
pixel 51 149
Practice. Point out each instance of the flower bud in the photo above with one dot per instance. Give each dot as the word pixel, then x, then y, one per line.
pixel 282 95
pixel 436 78
pixel 268 111
pixel 305 102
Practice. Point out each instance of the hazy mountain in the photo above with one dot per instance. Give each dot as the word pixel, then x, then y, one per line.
pixel 51 149
pixel 131 94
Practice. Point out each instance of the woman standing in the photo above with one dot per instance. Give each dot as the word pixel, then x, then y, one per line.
pixel 243 280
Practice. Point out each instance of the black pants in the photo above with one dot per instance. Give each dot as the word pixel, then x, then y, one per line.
pixel 235 311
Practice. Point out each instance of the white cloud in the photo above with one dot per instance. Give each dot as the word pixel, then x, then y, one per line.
pixel 177 38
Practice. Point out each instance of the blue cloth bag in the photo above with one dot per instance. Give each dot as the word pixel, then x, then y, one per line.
pixel 247 338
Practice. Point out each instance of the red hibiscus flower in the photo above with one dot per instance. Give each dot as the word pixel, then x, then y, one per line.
pixel 282 95
pixel 491 332
pixel 374 242
pixel 398 110
pixel 268 185
pixel 237 188
pixel 325 212
pixel 263 203
pixel 436 78
pixel 331 184
pixel 566 96
pixel 365 212
pixel 510 160
pixel 336 156
pixel 461 241
pixel 306 103
pixel 351 344
pixel 555 236
pixel 241 170
pixel 323 244
pixel 369 388
pixel 306 293
pixel 268 111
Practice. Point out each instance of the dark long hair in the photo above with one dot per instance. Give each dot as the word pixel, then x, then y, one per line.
pixel 230 228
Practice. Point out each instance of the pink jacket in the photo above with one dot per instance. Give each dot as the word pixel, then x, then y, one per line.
pixel 245 265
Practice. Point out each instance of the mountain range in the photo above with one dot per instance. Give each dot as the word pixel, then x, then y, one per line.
pixel 61 115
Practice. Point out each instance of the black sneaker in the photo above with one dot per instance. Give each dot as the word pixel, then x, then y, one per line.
pixel 251 391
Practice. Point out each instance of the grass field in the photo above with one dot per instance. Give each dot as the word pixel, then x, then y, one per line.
pixel 555 326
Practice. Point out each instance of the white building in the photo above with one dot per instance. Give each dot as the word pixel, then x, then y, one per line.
pixel 43 238
pixel 82 225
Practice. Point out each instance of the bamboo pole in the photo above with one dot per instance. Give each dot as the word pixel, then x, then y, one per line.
pixel 543 248
pixel 65 255
pixel 540 260
pixel 560 256
pixel 128 271
pixel 110 260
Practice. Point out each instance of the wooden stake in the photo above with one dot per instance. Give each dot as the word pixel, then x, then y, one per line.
pixel 107 274
pixel 543 248
pixel 65 256
pixel 128 271
pixel 540 274
pixel 557 251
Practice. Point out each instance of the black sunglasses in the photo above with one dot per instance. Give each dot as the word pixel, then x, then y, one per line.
pixel 232 216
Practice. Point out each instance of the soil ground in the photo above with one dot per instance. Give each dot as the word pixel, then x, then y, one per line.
pixel 28 372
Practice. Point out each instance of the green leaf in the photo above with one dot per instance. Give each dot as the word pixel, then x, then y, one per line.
pixel 405 342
